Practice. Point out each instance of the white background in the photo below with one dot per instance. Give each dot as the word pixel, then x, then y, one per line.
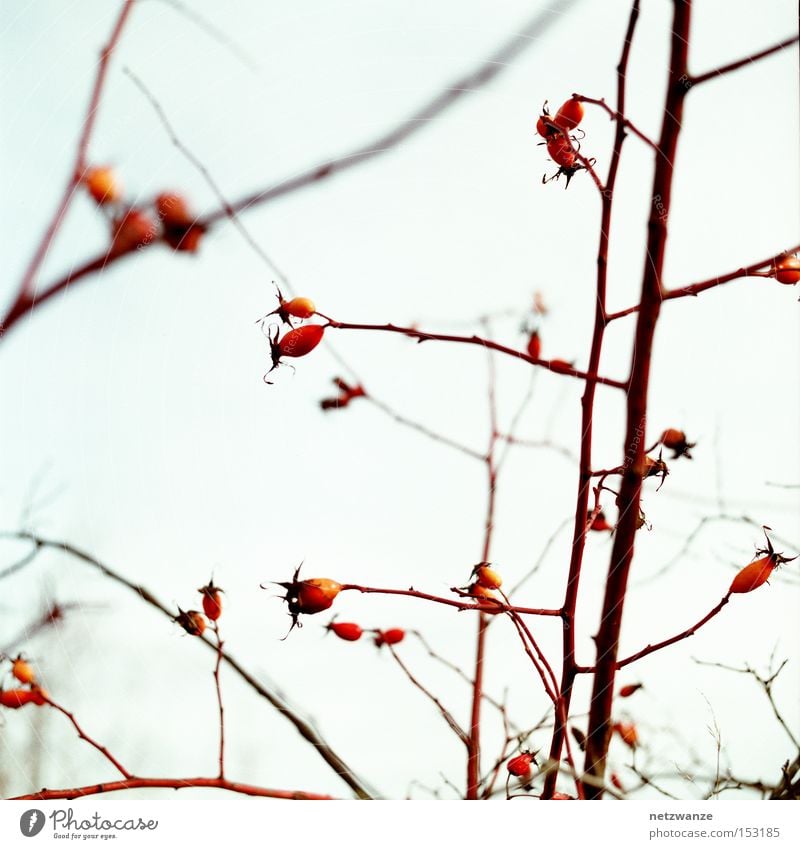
pixel 136 400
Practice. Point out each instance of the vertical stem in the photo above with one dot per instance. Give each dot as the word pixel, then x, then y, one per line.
pixel 474 740
pixel 219 702
pixel 607 639
pixel 587 409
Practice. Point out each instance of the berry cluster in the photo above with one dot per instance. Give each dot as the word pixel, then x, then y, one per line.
pixel 168 218
pixel 562 145
pixel 351 632
pixel 193 621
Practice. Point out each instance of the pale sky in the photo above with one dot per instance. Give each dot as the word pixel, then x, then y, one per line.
pixel 136 400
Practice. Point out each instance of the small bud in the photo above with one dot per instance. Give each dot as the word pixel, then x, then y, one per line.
pixel 102 185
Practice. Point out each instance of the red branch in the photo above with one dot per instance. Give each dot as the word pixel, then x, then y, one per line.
pixel 587 416
pixel 616 115
pixel 537 658
pixel 486 607
pixel 267 692
pixel 689 632
pixel 474 737
pixel 422 336
pixel 84 736
pixel 654 647
pixel 715 73
pixel 607 639
pixel 754 269
pixel 220 704
pixel 134 783
pixel 26 295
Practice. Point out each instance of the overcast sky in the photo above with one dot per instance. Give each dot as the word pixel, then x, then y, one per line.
pixel 135 422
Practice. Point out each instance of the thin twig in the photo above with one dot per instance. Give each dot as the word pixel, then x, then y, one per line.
pixel 217 34
pixel 206 175
pixel 580 526
pixel 499 706
pixel 84 736
pixel 542 555
pixel 474 739
pixel 448 717
pixel 694 289
pixel 485 607
pixel 421 336
pixel 218 689
pixel 486 71
pixel 617 116
pixel 423 429
pixel 607 639
pixel 766 684
pixel 270 695
pixel 715 73
pixel 653 647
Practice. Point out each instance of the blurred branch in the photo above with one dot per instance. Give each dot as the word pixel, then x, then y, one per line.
pixel 26 294
pixel 479 77
pixel 217 34
pixel 54 613
pixel 789 786
pixel 20 564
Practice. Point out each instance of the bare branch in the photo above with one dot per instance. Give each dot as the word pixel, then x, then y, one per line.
pixel 716 73
pixel 270 695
